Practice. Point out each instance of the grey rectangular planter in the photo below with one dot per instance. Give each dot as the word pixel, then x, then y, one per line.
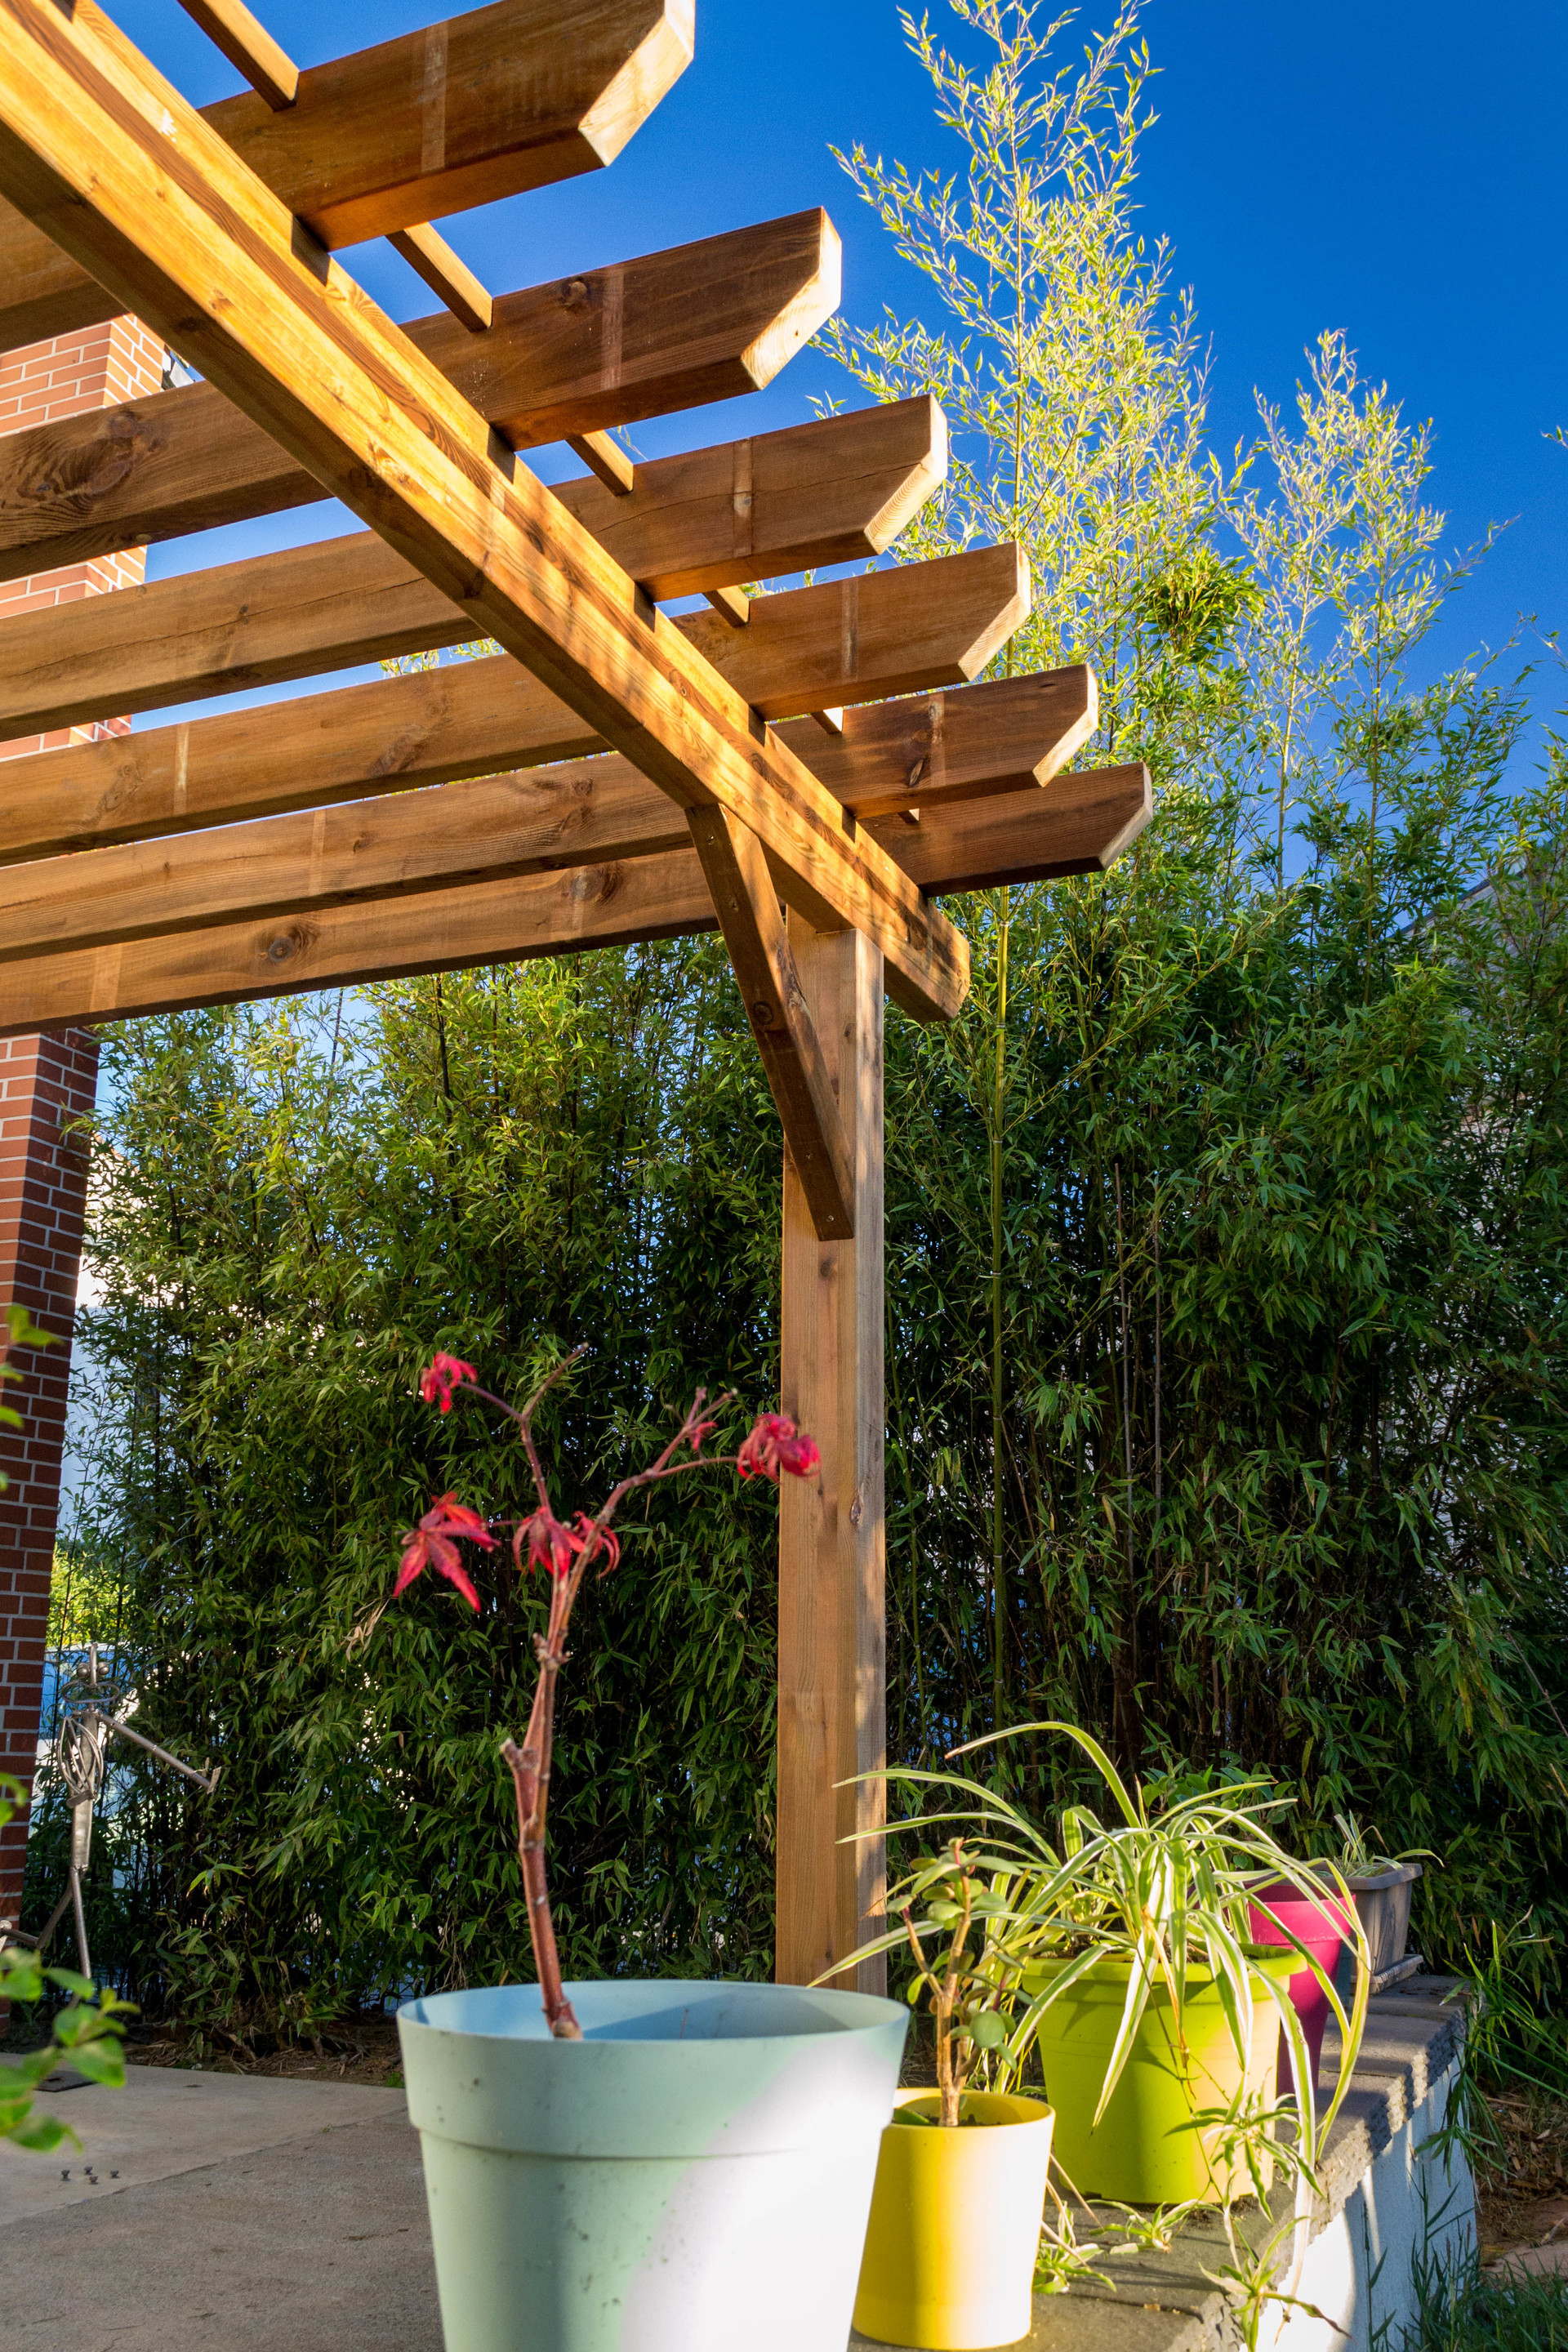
pixel 1384 1905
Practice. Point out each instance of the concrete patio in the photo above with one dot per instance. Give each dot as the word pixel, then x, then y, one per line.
pixel 207 2209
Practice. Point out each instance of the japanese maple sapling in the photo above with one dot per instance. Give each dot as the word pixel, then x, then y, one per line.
pixel 565 1550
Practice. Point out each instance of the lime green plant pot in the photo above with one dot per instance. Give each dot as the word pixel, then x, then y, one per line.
pixel 949 2262
pixel 1141 2153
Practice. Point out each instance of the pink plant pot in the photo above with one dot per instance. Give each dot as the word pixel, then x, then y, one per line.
pixel 1323 1926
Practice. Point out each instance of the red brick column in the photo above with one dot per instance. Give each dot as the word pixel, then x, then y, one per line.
pixel 45 1084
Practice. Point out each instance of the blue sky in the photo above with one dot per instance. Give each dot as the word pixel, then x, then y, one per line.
pixel 1397 170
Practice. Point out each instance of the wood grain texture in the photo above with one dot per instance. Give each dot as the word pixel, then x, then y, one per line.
pixel 303 611
pixel 59 915
pixel 442 931
pixel 925 750
pixel 1079 824
pixel 249 48
pixel 752 923
pixel 506 98
pixel 448 276
pixel 837 490
pixel 642 338
pixel 588 810
pixel 98 147
pixel 875 634
pixel 473 720
pixel 832 1700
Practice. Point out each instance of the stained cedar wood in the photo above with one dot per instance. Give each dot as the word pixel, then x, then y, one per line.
pixel 131 182
pixel 469 835
pixel 750 917
pixel 448 276
pixel 832 1706
pixel 249 48
pixel 478 719
pixel 517 96
pixel 583 353
pixel 303 611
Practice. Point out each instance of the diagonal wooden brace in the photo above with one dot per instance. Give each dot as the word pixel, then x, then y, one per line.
pixel 750 917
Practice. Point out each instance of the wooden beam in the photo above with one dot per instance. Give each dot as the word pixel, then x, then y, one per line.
pixel 752 923
pixel 477 719
pixel 58 916
pixel 100 149
pixel 732 604
pixel 249 48
pixel 306 610
pixel 607 461
pixel 448 276
pixel 832 1701
pixel 510 97
pixel 698 323
pixel 1079 824
pixel 439 930
pixel 925 750
pixel 537 820
pixel 875 634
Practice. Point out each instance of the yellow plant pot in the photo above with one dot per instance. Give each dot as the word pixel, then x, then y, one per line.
pixel 950 2253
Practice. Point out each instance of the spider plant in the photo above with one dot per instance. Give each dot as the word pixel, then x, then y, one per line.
pixel 1360 1856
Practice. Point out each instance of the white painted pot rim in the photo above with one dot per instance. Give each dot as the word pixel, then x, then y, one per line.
pixel 667 2068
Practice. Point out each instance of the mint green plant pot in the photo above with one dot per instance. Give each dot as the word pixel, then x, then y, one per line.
pixel 695 2174
pixel 1141 2154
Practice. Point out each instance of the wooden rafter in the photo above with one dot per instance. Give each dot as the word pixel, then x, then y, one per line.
pixel 447 275
pixel 308 610
pixel 129 179
pixel 608 348
pixel 360 911
pixel 473 719
pixel 928 748
pixel 573 814
pixel 507 98
pixel 249 47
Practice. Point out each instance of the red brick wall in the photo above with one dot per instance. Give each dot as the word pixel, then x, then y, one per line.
pixel 46 1083
pixel 97 367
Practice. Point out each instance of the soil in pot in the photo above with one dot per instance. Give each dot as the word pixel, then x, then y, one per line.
pixel 1144 2151
pixel 694 2173
pixel 1322 1923
pixel 950 2253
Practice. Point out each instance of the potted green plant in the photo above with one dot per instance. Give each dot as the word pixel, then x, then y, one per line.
pixel 651 2162
pixel 1126 1953
pixel 1381 1885
pixel 954 2226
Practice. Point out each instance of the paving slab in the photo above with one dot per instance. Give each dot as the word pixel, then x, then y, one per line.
pixel 298 2227
pixel 168 2120
pixel 1531 2262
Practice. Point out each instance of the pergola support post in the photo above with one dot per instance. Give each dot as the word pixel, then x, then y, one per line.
pixel 832 1703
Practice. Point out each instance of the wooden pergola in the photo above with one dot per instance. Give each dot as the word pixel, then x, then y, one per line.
pixel 618 773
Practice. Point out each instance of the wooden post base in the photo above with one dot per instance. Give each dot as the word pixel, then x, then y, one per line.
pixel 832 1703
